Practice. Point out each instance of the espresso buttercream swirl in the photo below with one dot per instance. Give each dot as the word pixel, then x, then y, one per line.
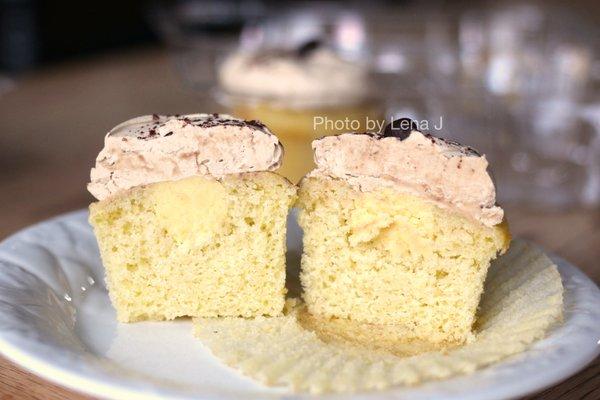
pixel 444 172
pixel 156 148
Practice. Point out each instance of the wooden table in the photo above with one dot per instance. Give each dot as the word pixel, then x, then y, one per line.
pixel 52 125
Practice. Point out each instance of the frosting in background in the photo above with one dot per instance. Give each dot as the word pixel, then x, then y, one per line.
pixel 313 78
pixel 446 173
pixel 156 148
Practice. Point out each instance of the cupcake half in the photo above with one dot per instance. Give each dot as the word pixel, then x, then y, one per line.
pixel 399 228
pixel 190 218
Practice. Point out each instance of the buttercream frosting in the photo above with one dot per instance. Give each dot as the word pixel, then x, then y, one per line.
pixel 156 148
pixel 444 172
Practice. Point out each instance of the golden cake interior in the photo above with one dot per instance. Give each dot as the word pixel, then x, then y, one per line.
pixel 384 257
pixel 196 247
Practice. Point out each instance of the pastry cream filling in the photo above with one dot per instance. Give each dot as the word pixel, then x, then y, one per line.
pixel 192 210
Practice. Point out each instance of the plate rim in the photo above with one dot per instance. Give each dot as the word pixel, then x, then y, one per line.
pixel 110 387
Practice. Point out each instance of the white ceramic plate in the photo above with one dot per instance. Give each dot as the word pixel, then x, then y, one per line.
pixel 56 320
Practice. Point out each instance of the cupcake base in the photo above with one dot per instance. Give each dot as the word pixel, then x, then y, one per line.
pixel 389 258
pixel 196 247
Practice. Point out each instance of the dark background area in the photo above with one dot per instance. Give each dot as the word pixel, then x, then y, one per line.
pixel 35 33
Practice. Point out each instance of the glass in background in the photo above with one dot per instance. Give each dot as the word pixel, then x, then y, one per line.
pixel 417 55
pixel 516 82
pixel 538 63
pixel 199 32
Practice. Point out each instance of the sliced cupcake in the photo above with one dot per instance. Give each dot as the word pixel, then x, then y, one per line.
pixel 191 218
pixel 399 228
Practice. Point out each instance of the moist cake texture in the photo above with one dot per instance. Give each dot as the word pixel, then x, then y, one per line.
pixel 191 220
pixel 399 228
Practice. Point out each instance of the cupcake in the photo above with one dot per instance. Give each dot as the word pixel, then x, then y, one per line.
pixel 190 218
pixel 301 92
pixel 399 229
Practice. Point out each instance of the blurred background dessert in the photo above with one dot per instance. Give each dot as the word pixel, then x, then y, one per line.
pixel 519 81
pixel 300 91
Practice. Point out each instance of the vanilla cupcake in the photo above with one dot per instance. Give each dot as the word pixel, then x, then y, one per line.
pixel 399 228
pixel 191 218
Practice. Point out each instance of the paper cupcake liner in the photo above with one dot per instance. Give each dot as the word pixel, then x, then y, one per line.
pixel 521 302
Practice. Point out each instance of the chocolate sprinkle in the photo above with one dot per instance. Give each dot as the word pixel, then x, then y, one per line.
pixel 308 48
pixel 468 150
pixel 151 134
pixel 216 120
pixel 301 52
pixel 400 128
pixel 209 121
pixel 256 123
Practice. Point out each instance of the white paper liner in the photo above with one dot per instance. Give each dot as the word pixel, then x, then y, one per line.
pixel 521 302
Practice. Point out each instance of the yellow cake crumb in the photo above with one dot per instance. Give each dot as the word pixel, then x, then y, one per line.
pixel 384 257
pixel 196 247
